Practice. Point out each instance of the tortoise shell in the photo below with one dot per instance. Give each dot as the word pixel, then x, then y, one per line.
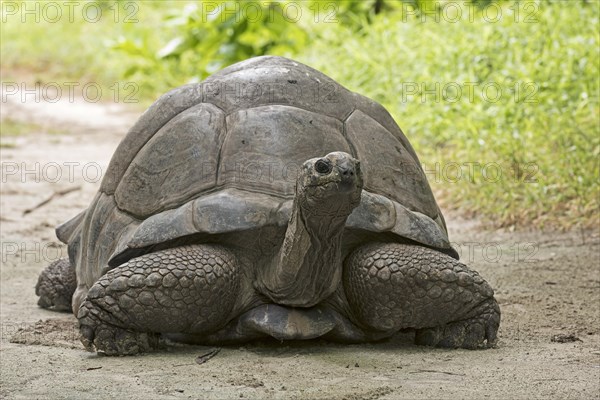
pixel 222 156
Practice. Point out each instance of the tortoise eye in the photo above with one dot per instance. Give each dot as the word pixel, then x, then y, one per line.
pixel 323 167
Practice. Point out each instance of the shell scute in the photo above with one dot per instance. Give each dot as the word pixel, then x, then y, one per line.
pixel 266 146
pixel 155 117
pixel 389 169
pixel 176 164
pixel 276 80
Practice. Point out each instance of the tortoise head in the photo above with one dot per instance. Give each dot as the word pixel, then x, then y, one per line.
pixel 330 185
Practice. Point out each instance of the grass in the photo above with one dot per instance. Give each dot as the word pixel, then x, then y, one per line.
pixel 544 141
pixel 11 129
pixel 526 159
pixel 78 48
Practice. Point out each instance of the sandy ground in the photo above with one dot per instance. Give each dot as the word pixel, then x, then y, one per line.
pixel 548 285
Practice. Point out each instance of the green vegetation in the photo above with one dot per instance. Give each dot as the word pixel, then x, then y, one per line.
pixel 544 140
pixel 11 129
pixel 503 109
pixel 40 48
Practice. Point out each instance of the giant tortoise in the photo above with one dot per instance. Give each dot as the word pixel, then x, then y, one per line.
pixel 267 200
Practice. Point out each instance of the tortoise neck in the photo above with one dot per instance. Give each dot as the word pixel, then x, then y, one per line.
pixel 308 266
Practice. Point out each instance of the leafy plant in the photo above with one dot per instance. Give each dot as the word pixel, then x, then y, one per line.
pixel 213 35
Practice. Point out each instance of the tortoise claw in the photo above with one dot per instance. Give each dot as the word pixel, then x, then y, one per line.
pixel 477 332
pixel 111 340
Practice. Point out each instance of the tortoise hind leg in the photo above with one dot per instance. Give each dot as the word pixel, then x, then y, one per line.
pixel 395 286
pixel 188 289
pixel 56 285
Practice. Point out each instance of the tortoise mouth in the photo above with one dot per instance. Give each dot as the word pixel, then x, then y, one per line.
pixel 340 196
pixel 339 186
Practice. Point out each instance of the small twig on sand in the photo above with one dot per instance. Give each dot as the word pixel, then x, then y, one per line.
pixel 202 358
pixel 57 193
pixel 434 371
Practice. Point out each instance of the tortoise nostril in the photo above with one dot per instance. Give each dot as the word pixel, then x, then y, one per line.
pixel 347 172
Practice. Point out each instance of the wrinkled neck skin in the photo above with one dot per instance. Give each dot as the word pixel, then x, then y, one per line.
pixel 308 267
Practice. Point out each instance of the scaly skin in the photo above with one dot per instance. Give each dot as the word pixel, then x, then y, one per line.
pixel 393 286
pixel 56 285
pixel 189 289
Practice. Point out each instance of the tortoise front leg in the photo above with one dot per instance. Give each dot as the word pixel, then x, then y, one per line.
pixel 188 289
pixel 393 286
pixel 56 285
